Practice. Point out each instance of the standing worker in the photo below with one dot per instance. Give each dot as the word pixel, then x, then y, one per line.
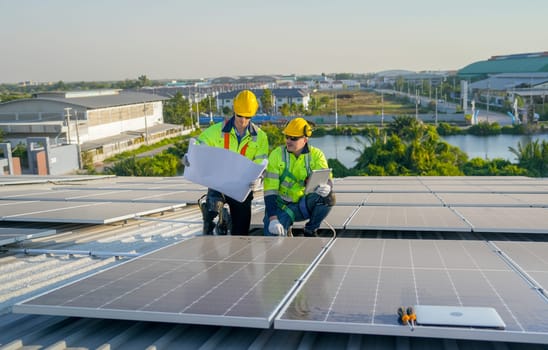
pixel 287 171
pixel 239 135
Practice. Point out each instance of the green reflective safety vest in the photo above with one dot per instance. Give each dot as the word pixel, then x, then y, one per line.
pixel 286 174
pixel 253 145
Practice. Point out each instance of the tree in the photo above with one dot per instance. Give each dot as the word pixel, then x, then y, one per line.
pixel 275 136
pixel 324 101
pixel 143 81
pixel 176 110
pixel 285 110
pixel 60 86
pixel 164 164
pixel 409 147
pixel 400 84
pixel 267 101
pixel 532 156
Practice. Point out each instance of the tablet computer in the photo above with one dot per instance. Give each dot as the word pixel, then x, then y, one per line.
pixel 318 177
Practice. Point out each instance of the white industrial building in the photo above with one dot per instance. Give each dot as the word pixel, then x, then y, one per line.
pixel 102 122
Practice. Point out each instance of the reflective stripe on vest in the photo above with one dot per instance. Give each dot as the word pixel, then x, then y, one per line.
pixel 227 144
pixel 286 172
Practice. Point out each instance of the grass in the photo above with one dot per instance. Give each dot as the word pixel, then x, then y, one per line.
pixel 362 103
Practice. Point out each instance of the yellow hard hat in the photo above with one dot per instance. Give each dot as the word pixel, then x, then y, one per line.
pixel 245 104
pixel 298 127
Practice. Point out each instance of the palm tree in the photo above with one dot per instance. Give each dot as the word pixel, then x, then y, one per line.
pixel 532 156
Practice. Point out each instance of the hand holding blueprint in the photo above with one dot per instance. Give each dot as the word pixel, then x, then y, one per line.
pixel 222 170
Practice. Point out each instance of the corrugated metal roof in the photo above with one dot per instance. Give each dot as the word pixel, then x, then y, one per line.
pixel 510 81
pixel 101 101
pixel 510 65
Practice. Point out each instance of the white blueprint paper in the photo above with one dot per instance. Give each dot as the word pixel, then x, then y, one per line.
pixel 222 170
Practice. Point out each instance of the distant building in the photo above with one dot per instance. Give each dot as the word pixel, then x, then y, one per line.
pixel 536 62
pixel 103 122
pixel 280 96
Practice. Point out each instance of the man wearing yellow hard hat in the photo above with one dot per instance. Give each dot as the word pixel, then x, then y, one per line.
pixel 289 167
pixel 239 135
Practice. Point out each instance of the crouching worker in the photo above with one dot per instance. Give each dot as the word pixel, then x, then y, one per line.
pixel 240 135
pixel 288 169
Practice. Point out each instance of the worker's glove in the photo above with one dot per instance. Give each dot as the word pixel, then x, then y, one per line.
pixel 185 161
pixel 323 190
pixel 275 228
pixel 256 184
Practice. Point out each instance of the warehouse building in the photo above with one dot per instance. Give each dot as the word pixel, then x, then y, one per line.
pixel 101 122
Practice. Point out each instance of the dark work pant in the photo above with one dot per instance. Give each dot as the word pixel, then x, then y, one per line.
pixel 240 212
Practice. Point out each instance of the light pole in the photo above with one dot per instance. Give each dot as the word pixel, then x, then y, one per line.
pixel 146 122
pixel 67 110
pixel 336 113
pixel 80 165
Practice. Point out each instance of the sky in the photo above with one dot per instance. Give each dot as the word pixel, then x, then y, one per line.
pixel 106 40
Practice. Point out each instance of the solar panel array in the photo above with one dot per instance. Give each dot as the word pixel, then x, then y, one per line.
pixel 320 284
pixel 314 284
pixel 463 204
pixel 455 204
pixel 92 200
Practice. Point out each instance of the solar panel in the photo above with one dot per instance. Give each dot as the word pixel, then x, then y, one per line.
pixel 427 199
pixel 530 258
pixel 34 179
pixel 512 220
pixel 10 235
pixel 359 284
pixel 480 200
pixel 216 280
pixel 409 218
pixel 532 199
pixel 109 195
pixel 385 187
pixel 79 212
pixel 524 188
pixel 104 200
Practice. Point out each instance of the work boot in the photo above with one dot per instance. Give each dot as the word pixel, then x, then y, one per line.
pixel 208 217
pixel 224 223
pixel 208 227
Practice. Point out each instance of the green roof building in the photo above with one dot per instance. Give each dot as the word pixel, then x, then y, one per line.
pixel 516 63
